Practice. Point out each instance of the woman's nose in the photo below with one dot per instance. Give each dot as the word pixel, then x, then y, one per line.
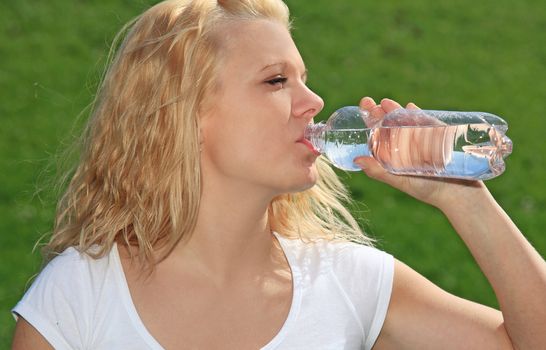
pixel 308 105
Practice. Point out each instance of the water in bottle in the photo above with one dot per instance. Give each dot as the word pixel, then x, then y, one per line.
pixel 465 145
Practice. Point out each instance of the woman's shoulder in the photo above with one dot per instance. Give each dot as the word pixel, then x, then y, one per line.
pixel 331 249
pixel 63 299
pixel 71 276
pixel 359 275
pixel 342 257
pixel 69 256
pixel 73 264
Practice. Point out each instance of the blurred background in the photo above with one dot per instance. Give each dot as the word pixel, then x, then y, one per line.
pixel 454 55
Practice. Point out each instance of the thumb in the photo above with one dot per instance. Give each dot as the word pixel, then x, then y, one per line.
pixel 371 167
pixel 375 171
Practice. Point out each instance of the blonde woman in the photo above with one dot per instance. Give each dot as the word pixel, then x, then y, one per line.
pixel 198 218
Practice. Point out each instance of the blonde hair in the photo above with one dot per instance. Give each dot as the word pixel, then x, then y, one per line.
pixel 138 177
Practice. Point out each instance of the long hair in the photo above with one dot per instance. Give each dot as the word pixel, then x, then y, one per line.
pixel 138 177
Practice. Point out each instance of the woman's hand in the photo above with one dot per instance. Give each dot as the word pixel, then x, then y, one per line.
pixel 435 191
pixel 514 268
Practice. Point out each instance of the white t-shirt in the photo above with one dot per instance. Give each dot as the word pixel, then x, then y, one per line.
pixel 341 293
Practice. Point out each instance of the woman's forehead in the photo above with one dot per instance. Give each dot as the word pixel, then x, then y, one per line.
pixel 260 44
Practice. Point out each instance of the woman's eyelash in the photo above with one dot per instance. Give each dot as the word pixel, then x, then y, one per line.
pixel 277 80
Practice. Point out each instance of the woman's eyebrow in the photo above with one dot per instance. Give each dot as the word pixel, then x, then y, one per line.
pixel 280 64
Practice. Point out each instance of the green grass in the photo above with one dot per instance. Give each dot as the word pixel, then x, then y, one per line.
pixel 463 55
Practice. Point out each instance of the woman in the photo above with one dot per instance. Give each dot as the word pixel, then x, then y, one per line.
pixel 198 218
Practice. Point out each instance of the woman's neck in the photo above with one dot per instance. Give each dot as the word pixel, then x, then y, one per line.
pixel 232 235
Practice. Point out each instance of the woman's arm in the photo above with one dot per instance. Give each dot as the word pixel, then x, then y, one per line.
pixel 423 316
pixel 27 337
pixel 514 268
pixel 421 313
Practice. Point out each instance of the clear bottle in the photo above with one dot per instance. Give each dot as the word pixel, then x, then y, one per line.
pixel 464 145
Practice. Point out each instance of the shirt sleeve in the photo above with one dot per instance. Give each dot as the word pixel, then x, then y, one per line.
pixel 52 305
pixel 366 275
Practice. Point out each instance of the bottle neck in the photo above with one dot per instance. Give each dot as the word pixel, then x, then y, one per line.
pixel 315 133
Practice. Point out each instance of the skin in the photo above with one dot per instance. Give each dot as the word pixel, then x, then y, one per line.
pixel 233 265
pixel 422 316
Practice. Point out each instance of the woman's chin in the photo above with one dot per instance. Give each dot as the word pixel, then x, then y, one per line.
pixel 309 179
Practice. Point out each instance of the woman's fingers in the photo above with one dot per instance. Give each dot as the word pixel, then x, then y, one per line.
pixel 378 111
pixel 376 115
pixel 412 105
pixel 367 103
pixel 375 112
pixel 371 167
pixel 389 105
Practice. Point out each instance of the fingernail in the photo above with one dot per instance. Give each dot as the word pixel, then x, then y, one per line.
pixel 360 162
pixel 369 100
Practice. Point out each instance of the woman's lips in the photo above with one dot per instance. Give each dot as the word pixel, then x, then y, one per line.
pixel 309 145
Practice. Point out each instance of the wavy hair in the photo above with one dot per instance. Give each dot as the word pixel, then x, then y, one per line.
pixel 138 177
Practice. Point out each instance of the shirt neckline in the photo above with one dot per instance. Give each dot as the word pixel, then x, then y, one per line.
pixel 130 307
pixel 296 295
pixel 127 300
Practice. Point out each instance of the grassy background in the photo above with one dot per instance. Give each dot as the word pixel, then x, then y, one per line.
pixel 465 55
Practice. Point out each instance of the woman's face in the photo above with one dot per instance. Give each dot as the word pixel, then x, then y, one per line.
pixel 252 127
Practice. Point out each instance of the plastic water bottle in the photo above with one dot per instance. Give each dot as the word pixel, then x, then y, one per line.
pixel 464 145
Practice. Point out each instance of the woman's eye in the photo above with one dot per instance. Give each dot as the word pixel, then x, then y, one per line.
pixel 277 80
